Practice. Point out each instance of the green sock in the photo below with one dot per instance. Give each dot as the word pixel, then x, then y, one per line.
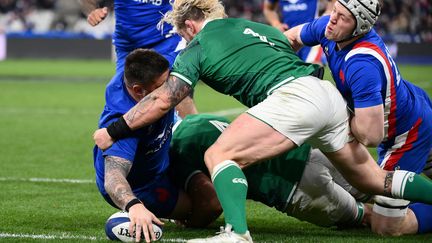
pixel 360 213
pixel 412 187
pixel 231 188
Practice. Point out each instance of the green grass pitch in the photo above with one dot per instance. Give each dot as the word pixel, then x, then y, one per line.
pixel 48 112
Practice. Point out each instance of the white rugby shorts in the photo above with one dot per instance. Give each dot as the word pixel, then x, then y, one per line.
pixel 307 110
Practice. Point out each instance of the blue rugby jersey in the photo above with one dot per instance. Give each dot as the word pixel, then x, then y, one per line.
pixel 296 12
pixel 136 23
pixel 366 75
pixel 147 148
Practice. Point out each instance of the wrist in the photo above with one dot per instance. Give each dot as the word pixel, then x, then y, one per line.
pixel 132 203
pixel 119 129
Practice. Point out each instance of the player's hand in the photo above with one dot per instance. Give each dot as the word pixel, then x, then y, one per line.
pixel 142 220
pixel 96 16
pixel 282 27
pixel 102 139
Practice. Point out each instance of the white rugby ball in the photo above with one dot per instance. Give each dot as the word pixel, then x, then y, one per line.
pixel 117 228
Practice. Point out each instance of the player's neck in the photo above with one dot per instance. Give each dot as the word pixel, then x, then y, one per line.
pixel 342 44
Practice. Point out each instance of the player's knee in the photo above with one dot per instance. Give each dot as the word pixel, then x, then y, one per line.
pixel 210 157
pixel 388 216
pixel 215 155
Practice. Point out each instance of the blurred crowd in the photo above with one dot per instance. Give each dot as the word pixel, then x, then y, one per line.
pixel 49 16
pixel 401 20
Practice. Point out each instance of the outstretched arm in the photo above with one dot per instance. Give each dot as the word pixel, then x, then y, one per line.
pixel 293 36
pixel 116 185
pixel 94 13
pixel 150 109
pixel 271 15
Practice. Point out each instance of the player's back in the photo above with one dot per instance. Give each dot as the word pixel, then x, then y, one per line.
pixel 137 20
pixel 246 59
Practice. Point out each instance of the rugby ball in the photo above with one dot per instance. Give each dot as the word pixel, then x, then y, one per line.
pixel 117 228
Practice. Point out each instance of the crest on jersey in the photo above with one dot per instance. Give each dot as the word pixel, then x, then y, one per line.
pixel 326 50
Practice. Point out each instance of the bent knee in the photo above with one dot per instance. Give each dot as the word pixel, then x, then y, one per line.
pixel 385 231
pixel 217 154
pixel 211 158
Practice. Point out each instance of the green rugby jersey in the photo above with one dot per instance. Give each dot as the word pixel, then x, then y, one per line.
pixel 271 182
pixel 240 58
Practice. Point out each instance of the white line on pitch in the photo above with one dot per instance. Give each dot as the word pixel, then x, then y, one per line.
pixel 50 180
pixel 66 236
pixel 48 237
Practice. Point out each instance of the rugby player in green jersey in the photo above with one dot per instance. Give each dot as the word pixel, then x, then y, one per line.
pixel 301 183
pixel 255 64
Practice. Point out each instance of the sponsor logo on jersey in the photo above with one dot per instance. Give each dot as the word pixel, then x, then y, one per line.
pixel 160 140
pixel 154 2
pixel 295 7
pixel 411 176
pixel 240 181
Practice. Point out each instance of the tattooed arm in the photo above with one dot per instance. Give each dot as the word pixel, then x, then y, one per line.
pixel 116 170
pixel 154 105
pixel 150 109
pixel 116 185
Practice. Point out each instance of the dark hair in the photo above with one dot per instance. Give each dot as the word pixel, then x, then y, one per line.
pixel 144 66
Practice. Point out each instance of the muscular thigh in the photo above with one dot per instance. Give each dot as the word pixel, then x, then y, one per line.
pixel 307 110
pixel 247 140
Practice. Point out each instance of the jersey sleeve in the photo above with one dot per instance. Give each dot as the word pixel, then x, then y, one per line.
pixel 312 33
pixel 123 148
pixel 364 80
pixel 187 64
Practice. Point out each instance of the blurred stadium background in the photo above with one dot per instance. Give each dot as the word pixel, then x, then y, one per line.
pixel 53 74
pixel 50 25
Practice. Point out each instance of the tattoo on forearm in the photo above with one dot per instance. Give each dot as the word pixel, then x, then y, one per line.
pixel 178 90
pixel 388 182
pixel 174 90
pixel 142 107
pixel 116 170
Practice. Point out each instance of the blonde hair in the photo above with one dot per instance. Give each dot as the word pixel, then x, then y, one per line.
pixel 193 10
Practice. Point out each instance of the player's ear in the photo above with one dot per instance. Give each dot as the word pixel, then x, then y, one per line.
pixel 138 90
pixel 189 27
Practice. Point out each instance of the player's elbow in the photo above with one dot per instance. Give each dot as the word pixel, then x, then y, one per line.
pixel 162 103
pixel 370 143
pixel 372 140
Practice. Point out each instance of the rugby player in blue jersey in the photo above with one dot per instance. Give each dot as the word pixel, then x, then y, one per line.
pixel 136 27
pixel 388 112
pixel 132 174
pixel 296 12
